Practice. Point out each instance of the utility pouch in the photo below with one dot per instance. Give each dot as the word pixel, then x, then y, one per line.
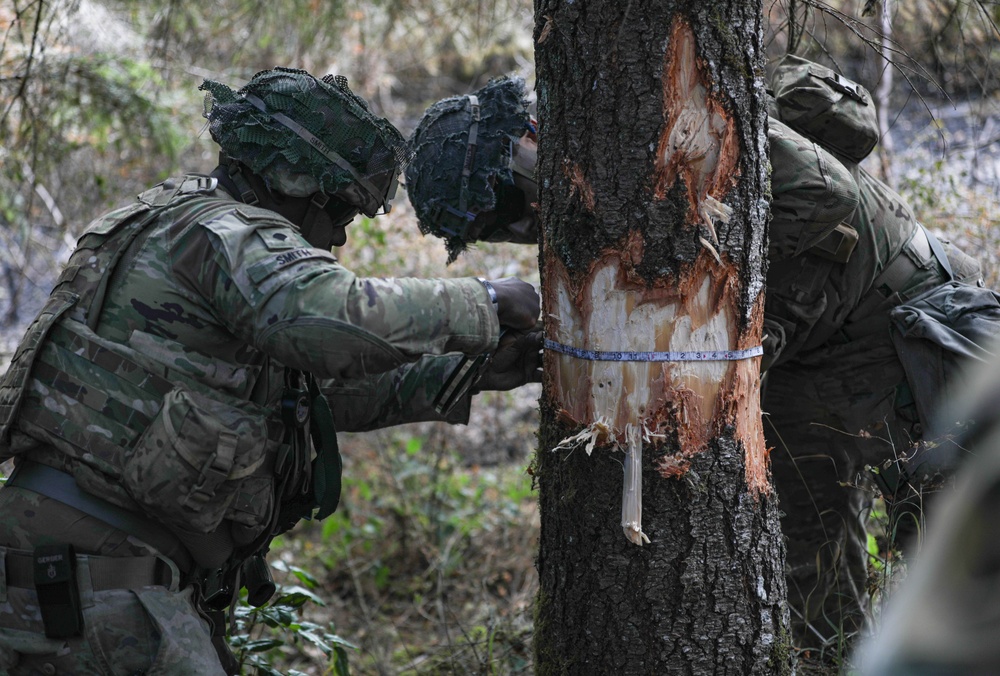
pixel 825 106
pixel 192 460
pixel 943 337
pixel 258 581
pixel 58 593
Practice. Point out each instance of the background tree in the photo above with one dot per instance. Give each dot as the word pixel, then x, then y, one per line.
pixel 652 162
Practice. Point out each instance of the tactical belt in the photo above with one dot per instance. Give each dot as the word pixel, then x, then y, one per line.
pixel 106 572
pixel 62 487
pixel 887 289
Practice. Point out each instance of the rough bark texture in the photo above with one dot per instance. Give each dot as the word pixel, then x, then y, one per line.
pixel 653 171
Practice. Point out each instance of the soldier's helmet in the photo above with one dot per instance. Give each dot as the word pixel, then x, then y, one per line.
pixel 306 135
pixel 461 178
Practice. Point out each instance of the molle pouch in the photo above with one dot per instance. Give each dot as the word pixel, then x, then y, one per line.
pixel 189 465
pixel 837 113
pixel 943 337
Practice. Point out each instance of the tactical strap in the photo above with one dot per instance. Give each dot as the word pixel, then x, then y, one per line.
pixel 106 572
pixel 317 203
pixel 97 299
pixel 939 252
pixel 470 153
pixel 247 193
pixel 888 287
pixel 113 362
pixel 13 383
pixel 62 487
pixel 452 221
pixel 328 465
pixel 320 147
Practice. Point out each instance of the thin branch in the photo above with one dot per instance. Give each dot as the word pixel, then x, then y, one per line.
pixel 20 94
pixel 906 67
pixel 989 19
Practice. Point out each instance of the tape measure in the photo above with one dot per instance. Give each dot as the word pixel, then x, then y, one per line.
pixel 704 355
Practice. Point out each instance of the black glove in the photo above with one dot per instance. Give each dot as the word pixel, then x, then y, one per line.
pixel 518 304
pixel 517 361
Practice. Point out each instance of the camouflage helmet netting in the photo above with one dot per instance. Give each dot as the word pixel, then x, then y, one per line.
pixel 439 146
pixel 326 108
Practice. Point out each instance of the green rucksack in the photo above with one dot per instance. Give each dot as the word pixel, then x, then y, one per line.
pixel 826 107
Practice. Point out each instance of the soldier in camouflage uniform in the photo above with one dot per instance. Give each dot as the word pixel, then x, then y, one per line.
pixel 175 403
pixel 836 398
pixel 844 250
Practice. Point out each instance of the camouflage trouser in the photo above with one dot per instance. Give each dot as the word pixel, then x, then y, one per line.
pixel 146 630
pixel 826 418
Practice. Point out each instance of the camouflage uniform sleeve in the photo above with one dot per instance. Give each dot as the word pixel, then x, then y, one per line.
pixel 299 305
pixel 403 395
pixel 812 192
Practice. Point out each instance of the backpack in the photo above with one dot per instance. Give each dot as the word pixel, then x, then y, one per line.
pixel 942 338
pixel 826 107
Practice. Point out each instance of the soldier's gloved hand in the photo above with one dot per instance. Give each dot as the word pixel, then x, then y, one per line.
pixel 518 360
pixel 518 304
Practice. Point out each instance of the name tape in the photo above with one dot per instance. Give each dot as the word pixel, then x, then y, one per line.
pixel 705 355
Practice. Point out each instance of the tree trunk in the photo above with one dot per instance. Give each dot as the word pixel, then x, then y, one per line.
pixel 653 201
pixel 883 95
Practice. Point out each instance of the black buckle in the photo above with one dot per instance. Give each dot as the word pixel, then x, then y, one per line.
pixel 451 221
pixel 199 184
pixel 295 407
pixel 218 592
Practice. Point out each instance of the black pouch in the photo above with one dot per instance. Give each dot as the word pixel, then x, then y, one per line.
pixel 258 581
pixel 58 593
pixel 943 337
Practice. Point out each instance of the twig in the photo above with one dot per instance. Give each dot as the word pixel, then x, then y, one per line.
pixel 29 62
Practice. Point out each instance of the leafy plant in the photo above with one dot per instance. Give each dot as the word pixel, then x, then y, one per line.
pixel 423 537
pixel 264 635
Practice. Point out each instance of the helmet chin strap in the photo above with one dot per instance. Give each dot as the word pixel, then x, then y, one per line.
pixel 318 235
pixel 318 232
pixel 234 171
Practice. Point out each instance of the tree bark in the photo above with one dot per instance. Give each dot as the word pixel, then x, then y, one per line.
pixel 653 204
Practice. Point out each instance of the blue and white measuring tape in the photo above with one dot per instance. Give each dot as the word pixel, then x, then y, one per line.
pixel 705 355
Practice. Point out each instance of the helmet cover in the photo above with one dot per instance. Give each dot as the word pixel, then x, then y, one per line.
pixel 305 135
pixel 459 160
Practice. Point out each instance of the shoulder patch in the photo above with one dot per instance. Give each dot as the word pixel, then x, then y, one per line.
pixel 280 239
